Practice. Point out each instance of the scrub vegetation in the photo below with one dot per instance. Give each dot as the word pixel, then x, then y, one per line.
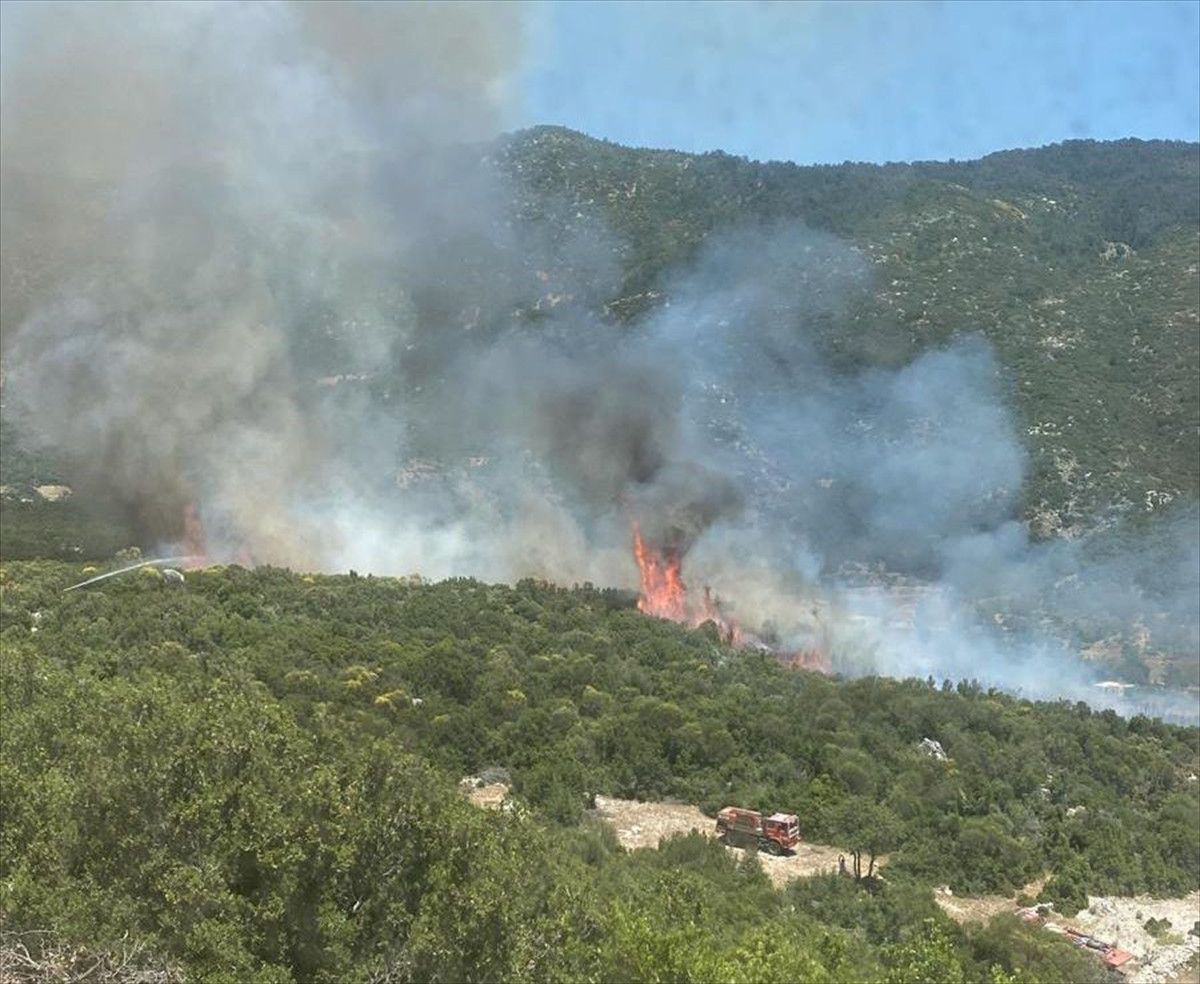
pixel 253 776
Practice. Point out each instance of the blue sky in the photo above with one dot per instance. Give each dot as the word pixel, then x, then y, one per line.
pixel 825 82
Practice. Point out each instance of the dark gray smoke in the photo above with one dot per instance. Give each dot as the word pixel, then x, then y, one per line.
pixel 852 479
pixel 256 259
pixel 206 210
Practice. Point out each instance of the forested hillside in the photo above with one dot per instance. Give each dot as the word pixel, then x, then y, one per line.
pixel 252 776
pixel 1079 262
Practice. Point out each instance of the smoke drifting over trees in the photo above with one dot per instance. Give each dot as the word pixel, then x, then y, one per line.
pixel 253 264
pixel 195 199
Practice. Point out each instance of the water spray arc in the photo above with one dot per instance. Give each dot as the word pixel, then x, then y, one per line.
pixel 158 562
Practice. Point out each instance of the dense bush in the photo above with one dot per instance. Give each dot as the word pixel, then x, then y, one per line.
pixel 255 774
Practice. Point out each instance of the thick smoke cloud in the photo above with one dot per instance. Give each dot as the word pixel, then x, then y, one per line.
pixel 252 263
pixel 205 209
pixel 915 470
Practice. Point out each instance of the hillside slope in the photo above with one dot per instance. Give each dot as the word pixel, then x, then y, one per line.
pixel 253 775
pixel 1079 262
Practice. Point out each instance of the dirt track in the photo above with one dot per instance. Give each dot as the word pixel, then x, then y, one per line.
pixel 645 824
pixel 981 908
pixel 1120 921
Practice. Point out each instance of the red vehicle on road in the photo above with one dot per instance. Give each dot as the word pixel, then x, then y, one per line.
pixel 777 834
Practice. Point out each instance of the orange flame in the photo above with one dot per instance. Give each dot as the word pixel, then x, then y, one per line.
pixel 710 611
pixel 664 595
pixel 195 544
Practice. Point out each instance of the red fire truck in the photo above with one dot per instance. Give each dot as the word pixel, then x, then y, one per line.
pixel 777 834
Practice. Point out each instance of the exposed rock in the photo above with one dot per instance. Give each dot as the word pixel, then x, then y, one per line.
pixel 933 749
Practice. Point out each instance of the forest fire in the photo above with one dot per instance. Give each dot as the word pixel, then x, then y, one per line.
pixel 664 595
pixel 816 658
pixel 195 544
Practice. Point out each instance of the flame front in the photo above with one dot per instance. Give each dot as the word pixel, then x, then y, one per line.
pixel 817 659
pixel 195 544
pixel 663 594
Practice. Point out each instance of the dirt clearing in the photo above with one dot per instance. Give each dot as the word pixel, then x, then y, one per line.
pixel 1122 922
pixel 981 908
pixel 1170 956
pixel 485 795
pixel 645 824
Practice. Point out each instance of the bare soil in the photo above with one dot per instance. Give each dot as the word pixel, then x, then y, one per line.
pixel 489 796
pixel 1119 921
pixel 981 908
pixel 645 824
pixel 1189 973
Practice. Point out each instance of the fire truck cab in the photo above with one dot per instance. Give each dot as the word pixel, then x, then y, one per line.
pixel 777 834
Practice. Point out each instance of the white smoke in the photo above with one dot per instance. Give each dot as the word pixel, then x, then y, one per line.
pixel 206 208
pixel 255 258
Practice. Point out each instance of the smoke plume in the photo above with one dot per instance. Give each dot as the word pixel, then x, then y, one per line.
pixel 207 210
pixel 258 262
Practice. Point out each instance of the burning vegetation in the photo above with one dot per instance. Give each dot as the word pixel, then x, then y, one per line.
pixel 353 328
pixel 195 543
pixel 664 595
pixel 200 550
